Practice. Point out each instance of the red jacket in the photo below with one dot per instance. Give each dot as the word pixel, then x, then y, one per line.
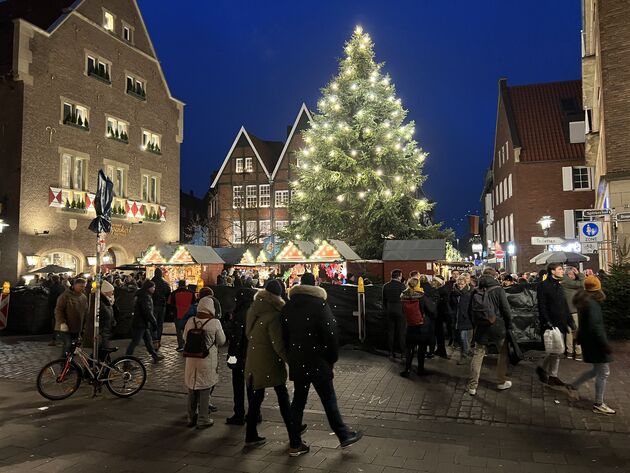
pixel 182 299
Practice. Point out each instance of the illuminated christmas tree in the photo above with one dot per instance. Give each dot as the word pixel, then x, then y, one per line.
pixel 360 172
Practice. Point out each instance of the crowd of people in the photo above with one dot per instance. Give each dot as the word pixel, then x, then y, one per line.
pixel 471 314
pixel 277 334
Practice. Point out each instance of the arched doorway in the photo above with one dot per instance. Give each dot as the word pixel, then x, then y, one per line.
pixel 113 256
pixel 63 258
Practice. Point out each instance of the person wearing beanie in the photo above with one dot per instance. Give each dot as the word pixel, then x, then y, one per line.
pixel 202 374
pixel 265 365
pixel 310 338
pixel 553 311
pixel 592 337
pixel 144 321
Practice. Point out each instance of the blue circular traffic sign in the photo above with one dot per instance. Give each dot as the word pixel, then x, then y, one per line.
pixel 590 229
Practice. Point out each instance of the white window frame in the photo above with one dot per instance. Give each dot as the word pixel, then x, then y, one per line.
pixel 150 189
pixel 98 61
pixel 280 224
pixel 116 124
pixel 239 166
pixel 584 171
pixel 134 83
pixel 237 197
pixel 107 15
pixel 505 189
pixel 251 230
pixel 509 183
pixel 281 199
pixel 237 233
pixel 119 175
pixel 249 165
pixel 81 110
pixel 264 195
pixel 264 229
pixel 251 196
pixel 151 137
pixel 511 227
pixel 568 180
pixel 131 29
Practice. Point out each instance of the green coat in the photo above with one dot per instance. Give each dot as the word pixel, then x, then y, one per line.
pixel 266 354
pixel 592 334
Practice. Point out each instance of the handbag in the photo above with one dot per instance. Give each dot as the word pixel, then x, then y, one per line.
pixel 554 341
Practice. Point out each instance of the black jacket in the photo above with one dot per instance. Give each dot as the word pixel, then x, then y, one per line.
pixel 236 333
pixel 552 305
pixel 310 334
pixel 391 297
pixel 106 321
pixel 443 309
pixel 143 311
pixel 54 292
pixel 162 289
pixel 459 300
pixel 495 333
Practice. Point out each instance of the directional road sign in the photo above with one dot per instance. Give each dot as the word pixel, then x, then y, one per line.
pixel 623 217
pixel 590 213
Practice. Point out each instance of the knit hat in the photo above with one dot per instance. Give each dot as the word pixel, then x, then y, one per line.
pixel 592 284
pixel 206 306
pixel 106 287
pixel 274 286
pixel 307 279
pixel 439 279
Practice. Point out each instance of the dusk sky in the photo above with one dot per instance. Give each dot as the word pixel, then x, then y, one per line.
pixel 253 63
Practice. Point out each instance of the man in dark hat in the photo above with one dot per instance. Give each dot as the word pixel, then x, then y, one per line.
pixel 310 338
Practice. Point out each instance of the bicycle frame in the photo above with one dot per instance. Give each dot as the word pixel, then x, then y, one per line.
pixel 93 366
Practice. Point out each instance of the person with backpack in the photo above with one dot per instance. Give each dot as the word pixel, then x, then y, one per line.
pixel 553 312
pixel 491 316
pixel 595 346
pixel 202 335
pixel 265 365
pixel 420 313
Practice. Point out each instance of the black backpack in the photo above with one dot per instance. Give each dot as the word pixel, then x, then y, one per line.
pixel 482 309
pixel 195 346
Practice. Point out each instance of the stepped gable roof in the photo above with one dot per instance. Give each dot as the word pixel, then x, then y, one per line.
pixel 414 250
pixel 269 151
pixel 541 113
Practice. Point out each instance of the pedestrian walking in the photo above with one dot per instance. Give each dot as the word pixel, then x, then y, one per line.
pixel 420 314
pixel 160 296
pixel 396 325
pixel 553 312
pixel 182 298
pixel 310 337
pixel 55 290
pixel 144 322
pixel 592 337
pixel 202 333
pixel 237 351
pixel 459 301
pixel 491 316
pixel 265 365
pixel 572 282
pixel 71 311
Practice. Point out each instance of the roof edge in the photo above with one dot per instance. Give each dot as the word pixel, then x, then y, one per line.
pixel 303 109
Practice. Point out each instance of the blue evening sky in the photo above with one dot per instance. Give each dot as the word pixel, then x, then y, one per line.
pixel 253 63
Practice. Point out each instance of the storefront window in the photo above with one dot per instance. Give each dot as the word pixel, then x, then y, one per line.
pixel 64 260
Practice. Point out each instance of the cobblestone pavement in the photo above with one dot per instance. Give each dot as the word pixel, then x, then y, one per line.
pixel 370 386
pixel 411 425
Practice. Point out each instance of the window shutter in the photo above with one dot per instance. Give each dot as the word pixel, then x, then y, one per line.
pixel 567 178
pixel 569 224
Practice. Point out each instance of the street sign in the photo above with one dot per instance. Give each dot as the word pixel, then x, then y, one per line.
pixel 499 254
pixel 544 241
pixel 590 232
pixel 589 248
pixel 590 213
pixel 623 217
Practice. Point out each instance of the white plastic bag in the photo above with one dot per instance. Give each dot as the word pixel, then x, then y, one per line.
pixel 554 341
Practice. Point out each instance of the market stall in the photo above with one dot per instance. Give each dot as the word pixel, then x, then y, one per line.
pixel 192 263
pixel 412 255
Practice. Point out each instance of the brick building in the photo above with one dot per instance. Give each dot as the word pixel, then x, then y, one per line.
pixel 606 92
pixel 538 169
pixel 82 89
pixel 251 191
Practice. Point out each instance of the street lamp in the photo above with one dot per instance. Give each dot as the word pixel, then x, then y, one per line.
pixel 2 225
pixel 545 223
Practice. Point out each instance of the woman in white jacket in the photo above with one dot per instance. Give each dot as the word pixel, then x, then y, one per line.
pixel 201 374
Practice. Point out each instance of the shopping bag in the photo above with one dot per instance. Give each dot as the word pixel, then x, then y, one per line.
pixel 554 341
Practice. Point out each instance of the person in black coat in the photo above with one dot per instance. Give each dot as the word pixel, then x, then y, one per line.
pixel 310 337
pixel 487 334
pixel 160 297
pixel 396 325
pixel 443 316
pixel 553 311
pixel 459 300
pixel 144 321
pixel 237 350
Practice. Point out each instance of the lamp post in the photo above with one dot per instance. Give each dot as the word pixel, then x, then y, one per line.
pixel 545 223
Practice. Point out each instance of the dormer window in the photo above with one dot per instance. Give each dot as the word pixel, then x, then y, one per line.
pixel 127 33
pixel 108 21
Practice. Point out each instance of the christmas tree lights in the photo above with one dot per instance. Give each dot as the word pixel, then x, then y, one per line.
pixel 361 169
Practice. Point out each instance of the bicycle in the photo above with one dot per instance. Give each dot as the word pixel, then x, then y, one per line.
pixel 61 378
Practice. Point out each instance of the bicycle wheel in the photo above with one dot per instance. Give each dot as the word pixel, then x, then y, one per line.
pixel 126 376
pixel 55 382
